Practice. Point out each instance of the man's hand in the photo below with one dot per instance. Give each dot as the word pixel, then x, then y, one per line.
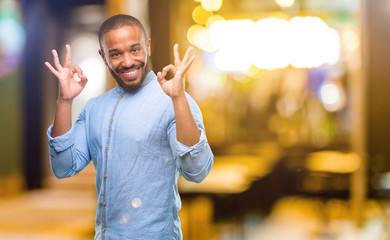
pixel 175 87
pixel 187 131
pixel 69 87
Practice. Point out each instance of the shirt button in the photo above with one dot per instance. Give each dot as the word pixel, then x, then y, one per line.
pixel 104 203
pixel 122 96
pixel 108 148
pixel 105 175
pixel 112 120
pixel 104 229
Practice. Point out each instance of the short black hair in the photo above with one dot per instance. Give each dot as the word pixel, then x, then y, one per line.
pixel 118 21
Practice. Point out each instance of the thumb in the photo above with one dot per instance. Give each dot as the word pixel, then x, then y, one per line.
pixel 160 77
pixel 83 80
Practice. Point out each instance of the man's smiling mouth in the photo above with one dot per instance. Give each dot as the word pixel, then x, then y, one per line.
pixel 130 74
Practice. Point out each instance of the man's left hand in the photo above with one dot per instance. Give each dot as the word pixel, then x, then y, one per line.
pixel 175 87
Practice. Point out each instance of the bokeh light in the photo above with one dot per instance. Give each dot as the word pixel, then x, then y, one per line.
pixel 334 162
pixel 285 3
pixel 136 203
pixel 270 45
pixel 350 40
pixel 212 5
pixel 332 96
pixel 200 15
pixel 12 37
pixel 213 19
pixel 234 39
pixel 192 31
pixel 310 42
pixel 124 219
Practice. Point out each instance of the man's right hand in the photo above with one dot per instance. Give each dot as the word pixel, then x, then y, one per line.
pixel 69 87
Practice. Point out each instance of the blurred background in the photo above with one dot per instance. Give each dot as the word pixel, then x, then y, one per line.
pixel 294 95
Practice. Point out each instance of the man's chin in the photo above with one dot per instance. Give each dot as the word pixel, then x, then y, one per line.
pixel 129 86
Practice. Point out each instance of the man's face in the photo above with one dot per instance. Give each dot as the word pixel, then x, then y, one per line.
pixel 125 52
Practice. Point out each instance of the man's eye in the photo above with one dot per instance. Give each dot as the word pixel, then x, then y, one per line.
pixel 135 50
pixel 114 54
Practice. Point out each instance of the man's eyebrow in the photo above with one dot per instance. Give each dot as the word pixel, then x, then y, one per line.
pixel 135 45
pixel 113 50
pixel 131 46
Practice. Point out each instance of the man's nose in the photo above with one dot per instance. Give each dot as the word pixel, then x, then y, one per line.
pixel 128 60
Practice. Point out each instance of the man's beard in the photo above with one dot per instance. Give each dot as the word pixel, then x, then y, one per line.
pixel 131 87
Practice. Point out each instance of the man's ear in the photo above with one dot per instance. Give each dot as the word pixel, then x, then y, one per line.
pixel 148 45
pixel 101 53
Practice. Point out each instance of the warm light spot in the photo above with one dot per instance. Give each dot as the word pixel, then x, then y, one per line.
pixel 230 174
pixel 303 42
pixel 202 40
pixel 270 50
pixel 350 40
pixel 200 15
pixel 310 46
pixel 332 161
pixel 252 71
pixel 212 5
pixel 213 19
pixel 234 49
pixel 205 82
pixel 331 96
pixel 191 33
pixel 333 45
pixel 285 3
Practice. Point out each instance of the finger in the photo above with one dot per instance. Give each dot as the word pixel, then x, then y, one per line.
pixel 68 57
pixel 176 54
pixel 160 78
pixel 78 70
pixel 168 68
pixel 184 67
pixel 52 69
pixel 83 80
pixel 187 55
pixel 56 60
pixel 188 64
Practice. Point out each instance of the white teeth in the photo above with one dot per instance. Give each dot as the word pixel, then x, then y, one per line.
pixel 131 73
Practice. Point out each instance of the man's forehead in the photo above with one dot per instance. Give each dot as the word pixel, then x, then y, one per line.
pixel 125 32
pixel 135 30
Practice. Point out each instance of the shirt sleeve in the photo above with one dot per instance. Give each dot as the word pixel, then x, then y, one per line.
pixel 194 162
pixel 69 152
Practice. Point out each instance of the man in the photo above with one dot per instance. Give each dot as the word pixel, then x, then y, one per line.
pixel 140 135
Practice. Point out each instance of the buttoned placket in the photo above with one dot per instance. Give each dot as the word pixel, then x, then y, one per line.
pixel 110 129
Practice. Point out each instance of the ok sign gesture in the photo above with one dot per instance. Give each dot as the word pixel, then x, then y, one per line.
pixel 69 87
pixel 175 86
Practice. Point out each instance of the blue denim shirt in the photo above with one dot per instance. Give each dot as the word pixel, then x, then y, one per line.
pixel 131 139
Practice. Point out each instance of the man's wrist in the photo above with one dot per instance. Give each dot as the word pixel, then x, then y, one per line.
pixel 64 101
pixel 179 98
